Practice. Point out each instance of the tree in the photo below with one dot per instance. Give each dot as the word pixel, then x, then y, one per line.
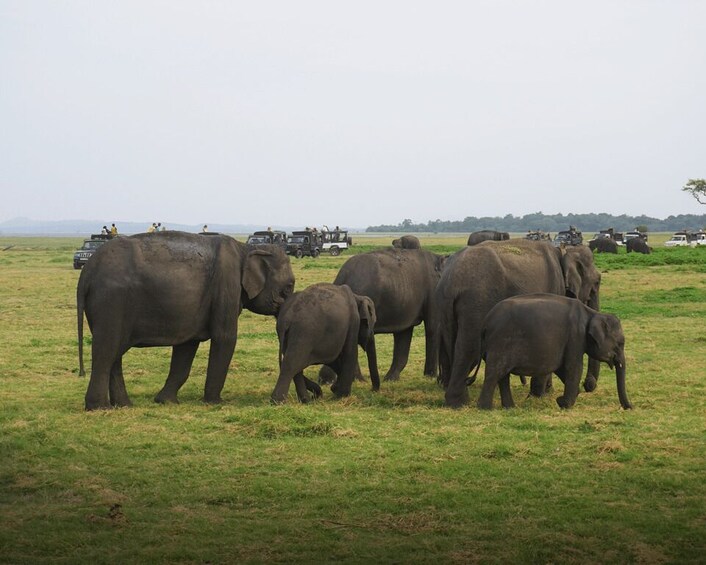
pixel 697 188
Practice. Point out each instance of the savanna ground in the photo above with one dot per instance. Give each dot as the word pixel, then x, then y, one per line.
pixel 390 477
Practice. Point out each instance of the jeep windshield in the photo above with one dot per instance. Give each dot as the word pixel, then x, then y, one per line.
pixel 257 240
pixel 92 244
pixel 298 239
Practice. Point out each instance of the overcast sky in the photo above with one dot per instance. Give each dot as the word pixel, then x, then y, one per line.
pixel 350 113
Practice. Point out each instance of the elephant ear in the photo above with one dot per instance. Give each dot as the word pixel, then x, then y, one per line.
pixel 572 275
pixel 255 272
pixel 596 335
pixel 366 312
pixel 581 279
pixel 440 263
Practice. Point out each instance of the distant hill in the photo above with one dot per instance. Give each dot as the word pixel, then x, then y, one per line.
pixel 550 223
pixel 26 226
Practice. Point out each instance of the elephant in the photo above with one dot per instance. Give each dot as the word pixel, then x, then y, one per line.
pixel 603 245
pixel 173 289
pixel 323 324
pixel 638 245
pixel 476 278
pixel 541 334
pixel 487 235
pixel 407 242
pixel 401 283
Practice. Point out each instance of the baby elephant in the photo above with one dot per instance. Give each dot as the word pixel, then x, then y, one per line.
pixel 407 242
pixel 541 334
pixel 323 324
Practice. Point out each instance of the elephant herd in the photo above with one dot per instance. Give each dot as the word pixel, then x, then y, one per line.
pixel 177 289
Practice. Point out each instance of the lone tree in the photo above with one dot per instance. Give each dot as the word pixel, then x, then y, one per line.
pixel 697 188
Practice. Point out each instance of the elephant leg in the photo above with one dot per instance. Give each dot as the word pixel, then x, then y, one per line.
pixel 505 392
pixel 592 373
pixel 219 359
pixel 400 354
pixel 431 337
pixel 540 384
pixel 291 367
pixel 348 362
pixel 104 353
pixel 372 355
pixel 313 388
pixel 444 365
pixel 179 369
pixel 490 381
pixel 301 386
pixel 359 374
pixel 118 393
pixel 466 355
pixel 571 388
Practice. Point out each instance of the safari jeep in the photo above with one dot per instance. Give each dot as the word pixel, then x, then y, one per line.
pixel 334 241
pixel 264 237
pixel 306 242
pixel 89 247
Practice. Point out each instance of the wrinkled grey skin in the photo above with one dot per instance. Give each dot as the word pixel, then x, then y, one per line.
pixel 487 235
pixel 323 324
pixel 603 245
pixel 407 242
pixel 638 245
pixel 541 334
pixel 401 283
pixel 476 278
pixel 173 289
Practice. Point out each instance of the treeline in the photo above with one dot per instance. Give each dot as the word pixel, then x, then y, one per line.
pixel 550 223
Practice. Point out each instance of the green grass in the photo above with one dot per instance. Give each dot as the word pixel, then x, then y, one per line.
pixel 386 477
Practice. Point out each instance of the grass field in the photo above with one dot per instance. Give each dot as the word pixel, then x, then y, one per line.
pixel 390 477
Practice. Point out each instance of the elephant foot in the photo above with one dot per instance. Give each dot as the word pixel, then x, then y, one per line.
pixel 432 373
pixel 100 403
pixel 92 406
pixel 392 376
pixel 564 403
pixel 212 400
pixel 314 389
pixel 457 401
pixel 164 398
pixel 590 383
pixel 277 400
pixel 122 403
pixel 339 392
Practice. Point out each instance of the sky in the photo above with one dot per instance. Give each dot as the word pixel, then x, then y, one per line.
pixel 349 113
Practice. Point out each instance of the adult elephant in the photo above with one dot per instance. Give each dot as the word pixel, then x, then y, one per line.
pixel 401 283
pixel 638 245
pixel 407 242
pixel 176 289
pixel 603 245
pixel 487 235
pixel 476 278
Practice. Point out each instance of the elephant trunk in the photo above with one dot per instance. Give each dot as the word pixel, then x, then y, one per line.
pixel 373 363
pixel 620 380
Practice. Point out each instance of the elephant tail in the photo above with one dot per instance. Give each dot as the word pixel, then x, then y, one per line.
pixel 80 307
pixel 476 367
pixel 448 330
pixel 282 346
pixel 472 378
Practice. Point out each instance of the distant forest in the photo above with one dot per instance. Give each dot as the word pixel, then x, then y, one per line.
pixel 551 223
